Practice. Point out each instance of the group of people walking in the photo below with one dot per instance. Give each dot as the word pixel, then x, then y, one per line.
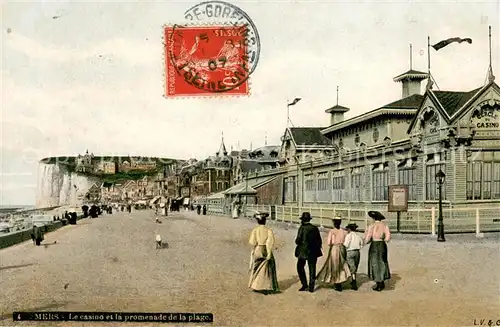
pixel 199 209
pixel 341 263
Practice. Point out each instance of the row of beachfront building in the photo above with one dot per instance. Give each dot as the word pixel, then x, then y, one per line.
pixel 352 162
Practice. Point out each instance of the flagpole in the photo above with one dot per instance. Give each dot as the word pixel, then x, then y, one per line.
pixel 491 77
pixel 429 54
pixel 411 57
pixel 287 113
pixel 337 95
pixel 429 76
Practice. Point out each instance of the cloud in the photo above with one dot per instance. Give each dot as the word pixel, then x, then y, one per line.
pixel 134 51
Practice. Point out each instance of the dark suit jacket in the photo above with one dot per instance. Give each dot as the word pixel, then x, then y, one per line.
pixel 308 242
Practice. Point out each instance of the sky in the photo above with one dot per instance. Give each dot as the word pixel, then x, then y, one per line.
pixel 90 75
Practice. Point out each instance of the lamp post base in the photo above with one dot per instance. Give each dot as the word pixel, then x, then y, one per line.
pixel 441 233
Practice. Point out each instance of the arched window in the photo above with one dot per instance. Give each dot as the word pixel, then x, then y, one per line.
pixel 357 139
pixel 375 135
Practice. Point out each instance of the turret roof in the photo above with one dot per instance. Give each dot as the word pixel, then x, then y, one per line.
pixel 411 74
pixel 337 108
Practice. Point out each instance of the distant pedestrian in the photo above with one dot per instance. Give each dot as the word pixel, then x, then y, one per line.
pixel 263 277
pixel 308 249
pixel 335 269
pixel 158 241
pixel 353 243
pixel 37 235
pixel 93 211
pixel 198 209
pixel 204 209
pixel 377 235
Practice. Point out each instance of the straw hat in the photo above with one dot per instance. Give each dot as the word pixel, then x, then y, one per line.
pixel 376 215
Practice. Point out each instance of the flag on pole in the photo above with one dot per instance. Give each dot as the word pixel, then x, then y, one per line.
pixel 294 102
pixel 444 43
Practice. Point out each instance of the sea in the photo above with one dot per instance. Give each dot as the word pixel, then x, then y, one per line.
pixel 12 218
pixel 12 208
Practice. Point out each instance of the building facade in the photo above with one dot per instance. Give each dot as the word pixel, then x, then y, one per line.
pixel 105 167
pixel 406 142
pixel 84 164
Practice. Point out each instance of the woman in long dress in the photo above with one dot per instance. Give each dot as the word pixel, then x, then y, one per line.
pixel 335 269
pixel 263 276
pixel 377 235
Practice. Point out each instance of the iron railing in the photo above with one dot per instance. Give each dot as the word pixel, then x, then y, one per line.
pixel 415 221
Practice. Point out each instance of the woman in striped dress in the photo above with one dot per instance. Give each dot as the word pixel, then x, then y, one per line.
pixel 335 269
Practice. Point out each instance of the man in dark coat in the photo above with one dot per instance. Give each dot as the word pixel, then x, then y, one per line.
pixel 308 249
pixel 37 235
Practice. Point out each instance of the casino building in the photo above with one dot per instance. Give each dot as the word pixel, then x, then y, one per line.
pixel 351 162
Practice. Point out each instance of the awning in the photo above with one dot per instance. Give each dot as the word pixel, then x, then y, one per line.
pixel 219 195
pixel 155 199
pixel 244 190
pixel 248 187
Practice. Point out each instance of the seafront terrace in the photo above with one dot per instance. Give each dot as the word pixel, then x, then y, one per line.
pixel 419 221
pixel 110 264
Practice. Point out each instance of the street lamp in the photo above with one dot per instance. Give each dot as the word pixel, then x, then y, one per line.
pixel 440 178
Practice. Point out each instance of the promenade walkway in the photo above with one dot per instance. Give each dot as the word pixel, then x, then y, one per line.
pixel 110 264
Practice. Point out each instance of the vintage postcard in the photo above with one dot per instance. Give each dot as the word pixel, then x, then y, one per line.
pixel 250 163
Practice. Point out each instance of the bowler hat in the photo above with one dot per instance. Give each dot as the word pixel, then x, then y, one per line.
pixel 352 226
pixel 306 216
pixel 376 215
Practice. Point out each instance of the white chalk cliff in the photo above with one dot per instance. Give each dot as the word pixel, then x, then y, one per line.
pixel 57 186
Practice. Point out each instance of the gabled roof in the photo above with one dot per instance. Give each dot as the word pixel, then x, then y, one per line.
pixel 411 102
pixel 94 186
pixel 129 183
pixel 304 136
pixel 462 111
pixel 452 101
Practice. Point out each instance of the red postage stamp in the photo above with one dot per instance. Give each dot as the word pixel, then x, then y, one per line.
pixel 206 61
